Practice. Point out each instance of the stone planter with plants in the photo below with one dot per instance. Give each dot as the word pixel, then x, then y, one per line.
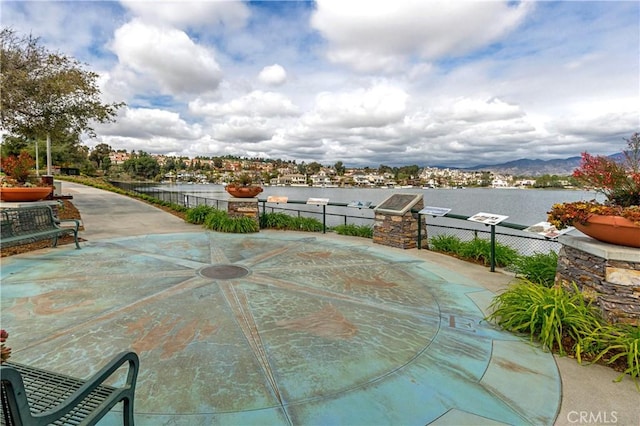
pixel 17 182
pixel 243 187
pixel 617 220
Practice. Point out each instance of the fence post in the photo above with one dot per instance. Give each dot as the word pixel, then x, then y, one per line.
pixel 493 248
pixel 324 219
pixel 419 231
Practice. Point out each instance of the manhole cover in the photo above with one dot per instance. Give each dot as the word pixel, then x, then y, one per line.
pixel 224 272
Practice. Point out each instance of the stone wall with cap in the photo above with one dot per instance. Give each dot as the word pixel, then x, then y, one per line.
pixel 607 275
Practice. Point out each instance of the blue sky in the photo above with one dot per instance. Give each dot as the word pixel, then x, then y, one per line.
pixel 455 83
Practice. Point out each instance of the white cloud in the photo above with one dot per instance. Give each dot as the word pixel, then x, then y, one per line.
pixel 256 103
pixel 380 35
pixel 479 111
pixel 151 130
pixel 166 58
pixel 243 130
pixel 591 126
pixel 150 123
pixel 45 20
pixel 247 120
pixel 232 14
pixel 377 106
pixel 273 75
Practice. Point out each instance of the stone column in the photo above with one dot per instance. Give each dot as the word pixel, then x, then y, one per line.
pixel 399 230
pixel 237 207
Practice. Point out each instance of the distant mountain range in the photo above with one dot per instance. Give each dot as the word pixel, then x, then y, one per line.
pixel 527 167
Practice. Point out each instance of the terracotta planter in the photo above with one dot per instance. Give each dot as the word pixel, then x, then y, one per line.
pixel 243 191
pixel 16 194
pixel 611 229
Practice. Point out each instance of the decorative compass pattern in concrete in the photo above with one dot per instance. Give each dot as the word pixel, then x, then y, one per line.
pixel 276 330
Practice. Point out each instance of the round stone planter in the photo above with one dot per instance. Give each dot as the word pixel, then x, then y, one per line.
pixel 16 194
pixel 243 191
pixel 611 229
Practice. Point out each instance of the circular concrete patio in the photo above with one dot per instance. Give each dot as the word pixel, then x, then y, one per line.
pixel 276 330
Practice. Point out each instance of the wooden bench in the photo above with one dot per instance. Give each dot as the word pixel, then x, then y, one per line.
pixel 25 225
pixel 31 396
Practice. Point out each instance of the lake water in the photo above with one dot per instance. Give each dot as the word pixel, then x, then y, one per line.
pixel 523 206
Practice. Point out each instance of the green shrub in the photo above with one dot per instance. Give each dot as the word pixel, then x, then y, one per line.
pixel 307 224
pixel 546 314
pixel 275 220
pixel 445 244
pixel 292 223
pixel 214 218
pixel 505 255
pixel 239 225
pixel 219 220
pixel 539 268
pixel 198 214
pixel 178 207
pixel 354 230
pixel 477 249
pixel 614 341
pixel 480 251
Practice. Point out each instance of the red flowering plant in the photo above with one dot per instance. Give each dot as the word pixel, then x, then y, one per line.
pixel 618 181
pixel 5 352
pixel 17 169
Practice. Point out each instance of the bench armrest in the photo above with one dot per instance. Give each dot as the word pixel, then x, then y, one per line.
pixel 125 392
pixel 76 223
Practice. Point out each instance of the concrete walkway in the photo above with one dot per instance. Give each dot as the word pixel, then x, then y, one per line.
pixel 371 286
pixel 108 215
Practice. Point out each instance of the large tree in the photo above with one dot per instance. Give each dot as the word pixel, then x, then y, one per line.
pixel 46 93
pixel 100 155
pixel 142 166
pixel 314 167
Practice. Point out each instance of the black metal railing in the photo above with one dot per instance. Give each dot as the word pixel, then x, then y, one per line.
pixel 332 214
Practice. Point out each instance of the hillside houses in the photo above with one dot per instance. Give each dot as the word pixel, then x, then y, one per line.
pixel 279 173
pixel 292 179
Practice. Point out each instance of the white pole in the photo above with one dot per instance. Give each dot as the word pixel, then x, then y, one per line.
pixel 37 162
pixel 48 154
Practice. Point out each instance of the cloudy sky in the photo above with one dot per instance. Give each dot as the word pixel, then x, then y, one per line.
pixel 365 82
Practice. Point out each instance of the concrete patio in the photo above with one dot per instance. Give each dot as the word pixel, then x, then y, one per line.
pixel 284 328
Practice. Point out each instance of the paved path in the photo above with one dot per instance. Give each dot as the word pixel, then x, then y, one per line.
pixel 107 215
pixel 374 328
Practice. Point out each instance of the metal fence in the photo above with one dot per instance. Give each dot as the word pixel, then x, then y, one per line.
pixel 333 214
pixel 523 242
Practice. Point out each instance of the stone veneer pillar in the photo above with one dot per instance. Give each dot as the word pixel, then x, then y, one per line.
pixel 606 274
pixel 237 207
pixel 399 231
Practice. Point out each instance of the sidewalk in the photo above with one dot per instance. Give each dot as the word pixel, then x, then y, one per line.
pixel 109 215
pixel 589 395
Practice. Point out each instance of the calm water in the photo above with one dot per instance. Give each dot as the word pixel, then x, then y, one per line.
pixel 523 206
